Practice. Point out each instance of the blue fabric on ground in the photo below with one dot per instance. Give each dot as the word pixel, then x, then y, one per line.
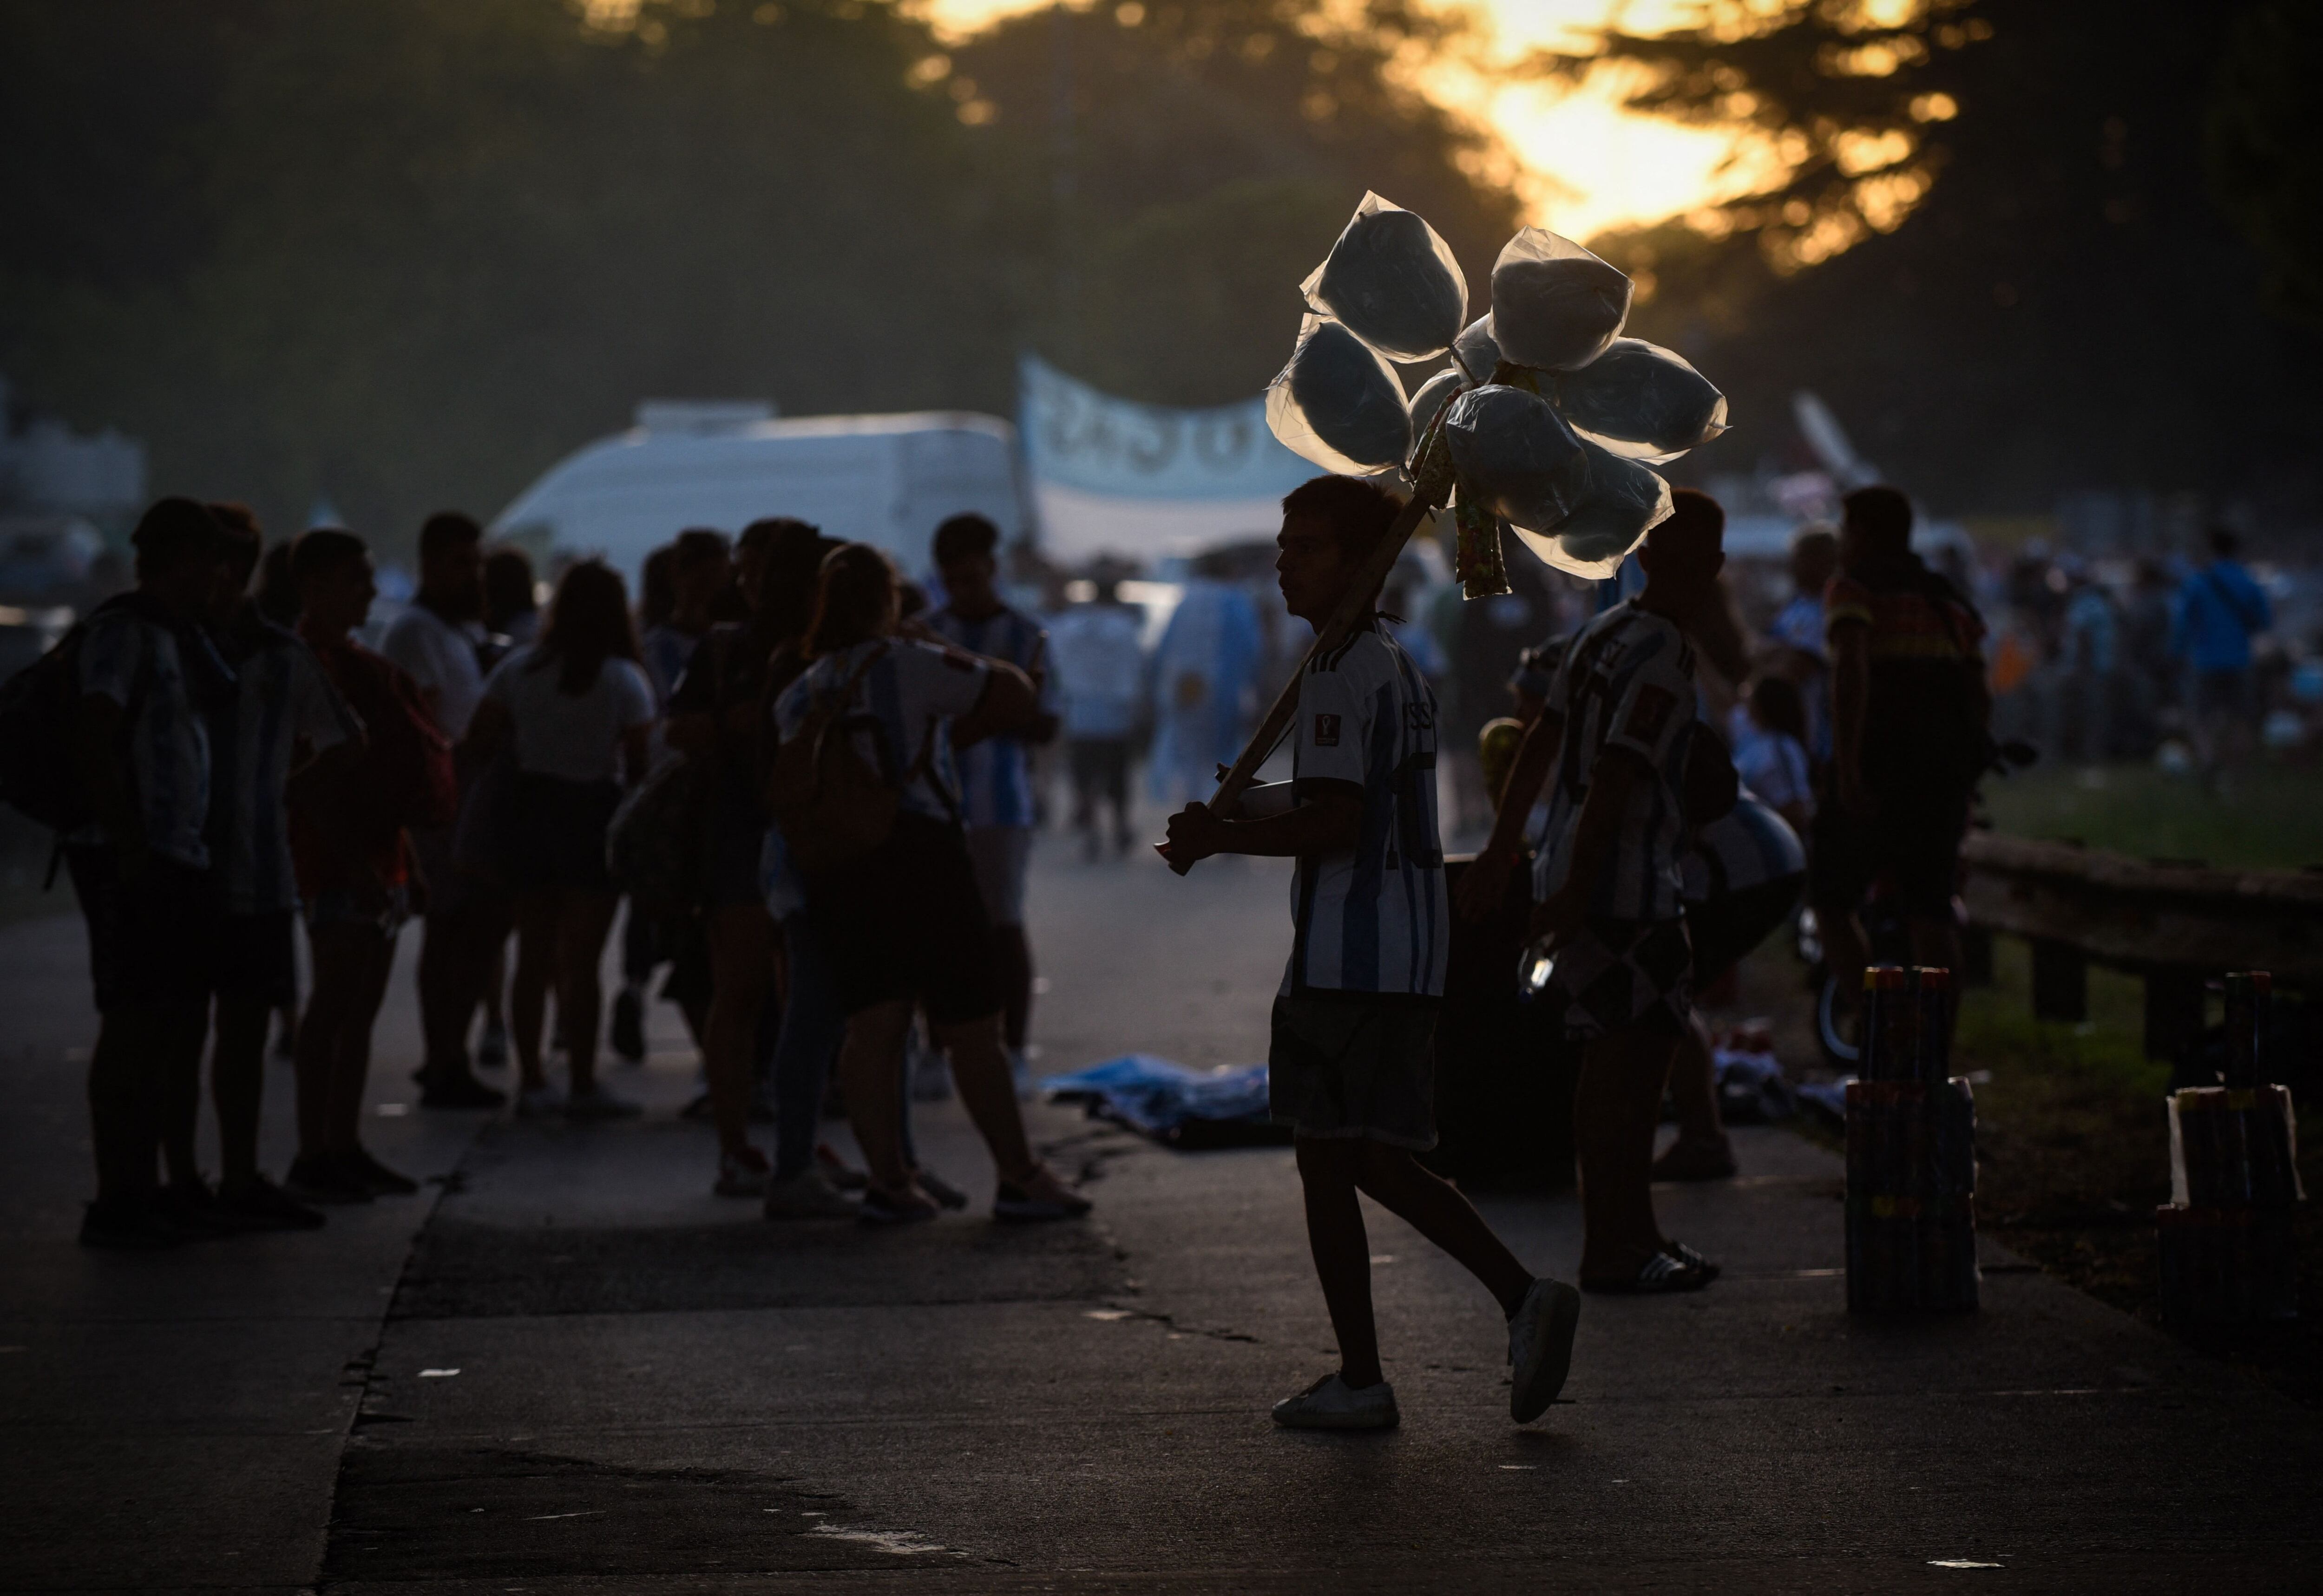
pixel 1183 1107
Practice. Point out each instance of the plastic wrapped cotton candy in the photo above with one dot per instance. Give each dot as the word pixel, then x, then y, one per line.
pixel 1515 457
pixel 1476 352
pixel 1338 403
pixel 1433 395
pixel 1624 502
pixel 1554 304
pixel 1393 282
pixel 1640 400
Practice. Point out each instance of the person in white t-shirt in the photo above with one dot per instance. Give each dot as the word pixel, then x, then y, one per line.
pixel 905 923
pixel 575 709
pixel 1352 1068
pixel 436 642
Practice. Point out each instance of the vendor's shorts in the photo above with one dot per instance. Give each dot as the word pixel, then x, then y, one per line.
pixel 1624 975
pixel 1725 926
pixel 1349 1067
pixel 253 962
pixel 558 834
pixel 733 842
pixel 1910 846
pixel 151 940
pixel 907 923
pixel 1001 855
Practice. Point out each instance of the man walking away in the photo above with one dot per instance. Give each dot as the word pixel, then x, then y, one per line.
pixel 141 871
pixel 1911 717
pixel 435 642
pixel 995 776
pixel 2219 609
pixel 283 703
pixel 1615 735
pixel 1350 1068
pixel 1098 652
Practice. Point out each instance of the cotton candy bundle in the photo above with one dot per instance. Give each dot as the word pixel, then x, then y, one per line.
pixel 1554 304
pixel 1433 395
pixel 1623 502
pixel 1393 282
pixel 1338 403
pixel 1640 400
pixel 1515 457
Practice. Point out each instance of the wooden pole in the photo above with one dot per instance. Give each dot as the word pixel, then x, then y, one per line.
pixel 1431 486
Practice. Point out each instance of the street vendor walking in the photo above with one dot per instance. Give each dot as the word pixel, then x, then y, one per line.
pixel 1350 1069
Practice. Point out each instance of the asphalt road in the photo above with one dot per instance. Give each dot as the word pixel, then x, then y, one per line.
pixel 567 1367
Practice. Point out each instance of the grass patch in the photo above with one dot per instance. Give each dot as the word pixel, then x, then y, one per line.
pixel 2266 818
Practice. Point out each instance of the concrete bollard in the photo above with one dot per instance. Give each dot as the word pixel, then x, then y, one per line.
pixel 1911 1153
pixel 2224 1235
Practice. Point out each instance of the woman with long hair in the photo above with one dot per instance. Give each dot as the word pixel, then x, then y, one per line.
pixel 904 924
pixel 575 708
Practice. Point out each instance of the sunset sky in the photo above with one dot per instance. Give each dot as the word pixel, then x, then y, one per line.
pixel 1585 163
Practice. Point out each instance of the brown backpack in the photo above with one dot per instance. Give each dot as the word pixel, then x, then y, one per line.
pixel 832 806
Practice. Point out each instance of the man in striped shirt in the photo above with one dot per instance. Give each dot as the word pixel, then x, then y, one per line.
pixel 1351 1067
pixel 1615 733
pixel 996 779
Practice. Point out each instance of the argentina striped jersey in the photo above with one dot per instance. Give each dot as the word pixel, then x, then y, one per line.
pixel 1626 681
pixel 1372 921
pixel 283 697
pixel 996 779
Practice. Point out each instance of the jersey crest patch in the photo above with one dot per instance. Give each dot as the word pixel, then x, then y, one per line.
pixel 1651 713
pixel 1326 731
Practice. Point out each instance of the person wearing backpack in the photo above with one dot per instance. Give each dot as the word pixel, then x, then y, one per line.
pixel 574 709
pixel 863 790
pixel 2219 611
pixel 356 873
pixel 125 722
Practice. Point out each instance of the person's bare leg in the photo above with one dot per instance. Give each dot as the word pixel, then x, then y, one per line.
pixel 336 960
pixel 1342 1252
pixel 742 970
pixel 373 963
pixel 582 921
pixel 1614 1111
pixel 535 964
pixel 238 1085
pixel 871 1076
pixel 979 1068
pixel 1434 1207
pixel 1011 965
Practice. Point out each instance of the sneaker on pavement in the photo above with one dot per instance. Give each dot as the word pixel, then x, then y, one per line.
pixel 1659 1276
pixel 908 1207
pixel 742 1174
pixel 492 1050
pixel 1540 1347
pixel 807 1195
pixel 836 1169
pixel 129 1227
pixel 1043 1197
pixel 627 1035
pixel 1693 1261
pixel 1332 1404
pixel 322 1181
pixel 377 1177
pixel 598 1103
pixel 945 1192
pixel 463 1090
pixel 260 1205
pixel 1695 1161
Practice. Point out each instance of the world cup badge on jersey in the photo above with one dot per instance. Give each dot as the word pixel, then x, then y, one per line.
pixel 1326 731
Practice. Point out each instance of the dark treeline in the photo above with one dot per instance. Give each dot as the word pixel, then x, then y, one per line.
pixel 408 252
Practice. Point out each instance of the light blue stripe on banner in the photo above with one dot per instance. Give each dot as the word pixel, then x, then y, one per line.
pixel 1077 437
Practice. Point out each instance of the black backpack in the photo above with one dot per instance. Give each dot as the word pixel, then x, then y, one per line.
pixel 39 705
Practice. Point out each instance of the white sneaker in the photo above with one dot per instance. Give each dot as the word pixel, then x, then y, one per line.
pixel 596 1103
pixel 1331 1404
pixel 808 1194
pixel 541 1101
pixel 1540 1347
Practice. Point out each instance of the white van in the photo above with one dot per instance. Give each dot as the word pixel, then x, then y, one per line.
pixel 884 479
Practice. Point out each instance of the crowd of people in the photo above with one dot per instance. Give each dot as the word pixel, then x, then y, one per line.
pixel 813 796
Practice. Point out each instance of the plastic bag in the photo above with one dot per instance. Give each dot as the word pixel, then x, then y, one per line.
pixel 1640 400
pixel 1515 456
pixel 1624 502
pixel 1554 304
pixel 1338 403
pixel 1393 282
pixel 1476 352
pixel 1433 395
